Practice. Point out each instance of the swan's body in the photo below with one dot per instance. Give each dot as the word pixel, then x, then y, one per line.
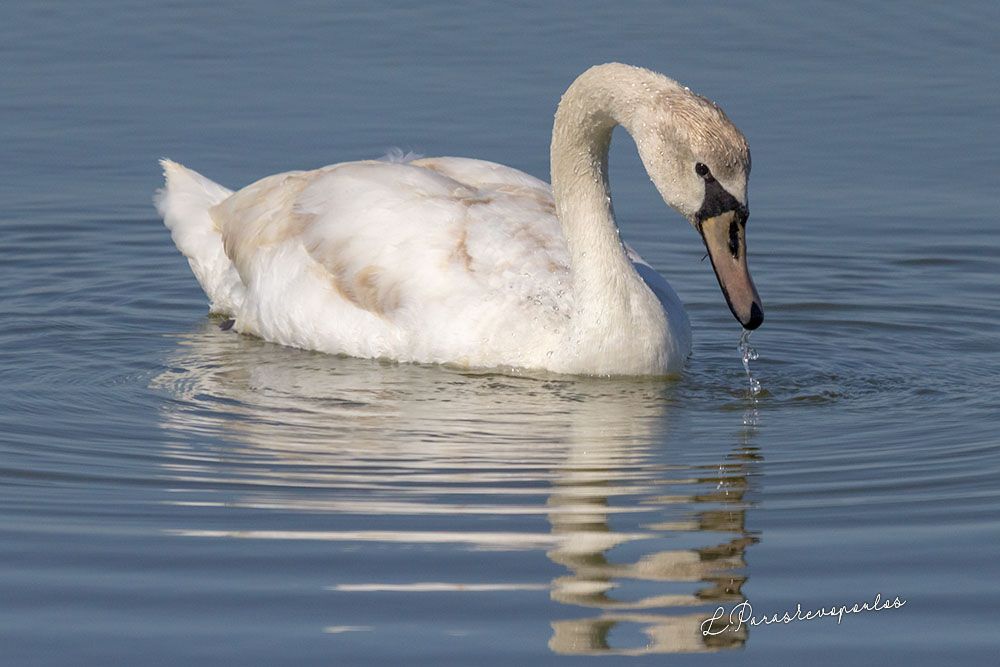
pixel 451 260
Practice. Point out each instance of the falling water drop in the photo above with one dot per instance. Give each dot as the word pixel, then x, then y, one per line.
pixel 748 354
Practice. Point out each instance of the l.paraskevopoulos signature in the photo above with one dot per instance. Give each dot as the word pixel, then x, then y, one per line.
pixel 743 614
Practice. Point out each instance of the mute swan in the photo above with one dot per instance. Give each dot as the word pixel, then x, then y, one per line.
pixel 460 261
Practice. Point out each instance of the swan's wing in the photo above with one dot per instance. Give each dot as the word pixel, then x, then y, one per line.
pixel 400 242
pixel 387 235
pixel 258 217
pixel 483 174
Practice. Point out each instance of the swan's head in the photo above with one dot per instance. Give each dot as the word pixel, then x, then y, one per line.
pixel 700 162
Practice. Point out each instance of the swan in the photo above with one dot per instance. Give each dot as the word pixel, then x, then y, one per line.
pixel 471 263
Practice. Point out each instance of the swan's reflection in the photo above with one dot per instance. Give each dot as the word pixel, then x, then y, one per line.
pixel 310 433
pixel 715 570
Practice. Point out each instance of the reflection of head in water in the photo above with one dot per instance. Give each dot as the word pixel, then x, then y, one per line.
pixel 709 501
pixel 398 439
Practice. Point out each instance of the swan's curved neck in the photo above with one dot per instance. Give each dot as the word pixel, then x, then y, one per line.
pixel 604 280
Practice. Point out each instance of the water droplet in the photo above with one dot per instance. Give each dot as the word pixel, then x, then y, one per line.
pixel 748 354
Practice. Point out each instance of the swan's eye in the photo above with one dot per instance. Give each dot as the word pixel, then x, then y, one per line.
pixel 701 169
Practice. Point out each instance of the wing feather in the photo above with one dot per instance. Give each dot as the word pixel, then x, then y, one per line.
pixel 404 249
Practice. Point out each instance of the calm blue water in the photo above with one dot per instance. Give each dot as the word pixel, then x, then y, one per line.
pixel 174 494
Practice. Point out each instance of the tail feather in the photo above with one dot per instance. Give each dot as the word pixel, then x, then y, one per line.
pixel 184 203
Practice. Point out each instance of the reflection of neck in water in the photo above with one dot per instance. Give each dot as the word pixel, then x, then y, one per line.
pixel 411 442
pixel 708 500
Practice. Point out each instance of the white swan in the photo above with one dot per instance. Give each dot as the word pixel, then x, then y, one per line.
pixel 468 262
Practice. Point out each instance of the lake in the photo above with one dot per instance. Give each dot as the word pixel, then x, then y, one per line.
pixel 171 493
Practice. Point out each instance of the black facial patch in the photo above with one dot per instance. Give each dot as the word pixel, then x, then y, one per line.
pixel 717 201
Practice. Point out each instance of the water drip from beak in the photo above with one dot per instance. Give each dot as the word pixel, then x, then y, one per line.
pixel 748 354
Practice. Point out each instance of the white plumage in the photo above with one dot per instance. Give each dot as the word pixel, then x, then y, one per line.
pixel 439 260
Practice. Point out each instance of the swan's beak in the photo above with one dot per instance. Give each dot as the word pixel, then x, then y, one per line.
pixel 725 238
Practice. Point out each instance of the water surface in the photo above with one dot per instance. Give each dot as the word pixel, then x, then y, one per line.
pixel 172 493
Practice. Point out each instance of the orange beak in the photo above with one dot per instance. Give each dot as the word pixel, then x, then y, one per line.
pixel 725 239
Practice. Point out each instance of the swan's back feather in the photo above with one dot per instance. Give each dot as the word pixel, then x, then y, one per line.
pixel 411 261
